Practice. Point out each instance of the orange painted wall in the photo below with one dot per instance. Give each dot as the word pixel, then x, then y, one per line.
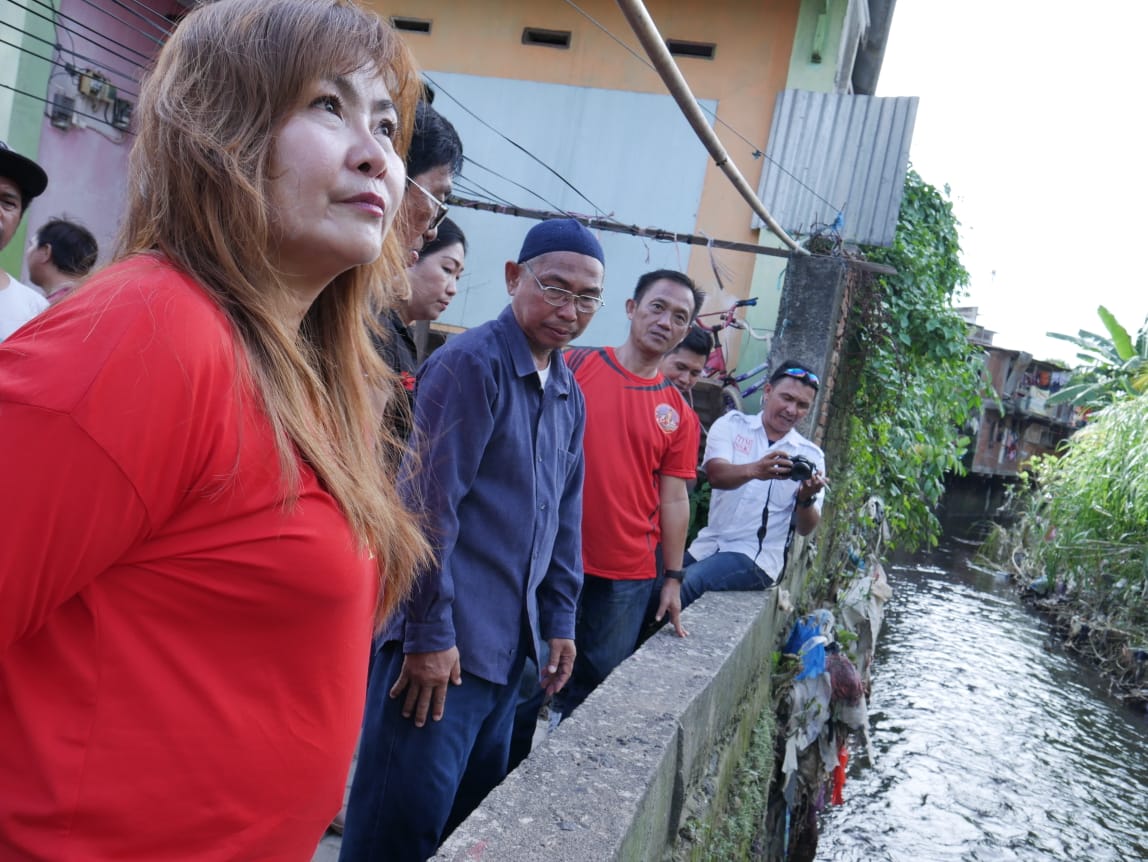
pixel 754 42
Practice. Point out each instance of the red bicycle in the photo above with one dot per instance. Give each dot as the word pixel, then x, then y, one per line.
pixel 717 371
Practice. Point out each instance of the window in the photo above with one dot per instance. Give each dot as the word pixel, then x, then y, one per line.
pixel 411 25
pixel 700 50
pixel 549 38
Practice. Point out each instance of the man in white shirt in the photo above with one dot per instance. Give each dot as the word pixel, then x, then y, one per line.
pixel 21 180
pixel 752 462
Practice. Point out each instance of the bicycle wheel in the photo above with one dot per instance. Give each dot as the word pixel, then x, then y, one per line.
pixel 730 399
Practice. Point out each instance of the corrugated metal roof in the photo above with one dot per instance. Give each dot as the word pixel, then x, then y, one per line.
pixel 829 152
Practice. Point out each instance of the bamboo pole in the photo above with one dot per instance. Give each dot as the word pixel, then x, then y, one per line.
pixel 647 32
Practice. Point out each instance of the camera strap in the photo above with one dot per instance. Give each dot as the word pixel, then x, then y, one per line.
pixel 764 528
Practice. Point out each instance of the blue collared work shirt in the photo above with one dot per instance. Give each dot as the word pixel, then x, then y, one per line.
pixel 498 473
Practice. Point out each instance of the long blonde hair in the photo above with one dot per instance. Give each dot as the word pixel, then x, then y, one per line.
pixel 207 118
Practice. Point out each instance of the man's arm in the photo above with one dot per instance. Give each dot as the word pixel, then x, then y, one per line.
pixel 674 510
pixel 558 592
pixel 808 506
pixel 726 476
pixel 453 422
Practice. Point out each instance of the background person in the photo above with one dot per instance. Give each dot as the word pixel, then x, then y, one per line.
pixel 60 255
pixel 435 158
pixel 196 508
pixel 683 366
pixel 755 505
pixel 434 278
pixel 641 450
pixel 21 180
pixel 498 428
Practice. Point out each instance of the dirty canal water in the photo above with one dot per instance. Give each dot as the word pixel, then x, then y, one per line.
pixel 990 743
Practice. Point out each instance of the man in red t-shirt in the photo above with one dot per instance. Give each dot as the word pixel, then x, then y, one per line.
pixel 641 449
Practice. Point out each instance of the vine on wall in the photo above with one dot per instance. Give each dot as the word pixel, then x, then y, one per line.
pixel 912 377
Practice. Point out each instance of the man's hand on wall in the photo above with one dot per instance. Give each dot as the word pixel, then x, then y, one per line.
pixel 671 601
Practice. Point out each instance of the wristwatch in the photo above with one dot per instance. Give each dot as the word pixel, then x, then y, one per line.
pixel 674 575
pixel 805 504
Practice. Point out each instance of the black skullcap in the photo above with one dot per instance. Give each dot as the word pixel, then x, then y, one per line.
pixel 562 234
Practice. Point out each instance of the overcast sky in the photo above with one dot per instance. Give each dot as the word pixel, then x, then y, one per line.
pixel 1033 113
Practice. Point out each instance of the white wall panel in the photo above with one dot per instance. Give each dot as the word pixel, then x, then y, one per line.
pixel 632 154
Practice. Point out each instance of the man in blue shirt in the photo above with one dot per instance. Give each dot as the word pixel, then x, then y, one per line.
pixel 497 470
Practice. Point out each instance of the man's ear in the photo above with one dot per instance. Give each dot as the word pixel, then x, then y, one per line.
pixel 512 272
pixel 631 306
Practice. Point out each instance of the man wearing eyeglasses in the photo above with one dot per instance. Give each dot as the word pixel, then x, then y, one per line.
pixel 497 472
pixel 434 159
pixel 641 450
pixel 756 505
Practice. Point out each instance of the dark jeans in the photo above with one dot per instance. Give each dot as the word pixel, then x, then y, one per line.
pixel 721 571
pixel 610 616
pixel 530 700
pixel 414 785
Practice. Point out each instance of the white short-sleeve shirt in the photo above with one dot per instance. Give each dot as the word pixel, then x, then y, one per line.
pixel 18 304
pixel 736 515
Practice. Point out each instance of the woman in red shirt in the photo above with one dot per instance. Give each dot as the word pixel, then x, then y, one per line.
pixel 194 514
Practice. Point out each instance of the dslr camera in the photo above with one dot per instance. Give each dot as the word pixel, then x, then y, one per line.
pixel 802 468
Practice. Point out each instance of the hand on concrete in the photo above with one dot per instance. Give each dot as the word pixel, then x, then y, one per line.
pixel 671 600
pixel 560 666
pixel 424 677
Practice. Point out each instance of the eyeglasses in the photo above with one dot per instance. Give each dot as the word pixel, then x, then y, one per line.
pixel 560 298
pixel 441 209
pixel 801 374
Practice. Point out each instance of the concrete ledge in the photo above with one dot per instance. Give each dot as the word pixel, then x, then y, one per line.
pixel 613 781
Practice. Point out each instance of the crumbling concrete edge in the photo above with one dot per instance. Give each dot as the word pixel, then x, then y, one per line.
pixel 656 743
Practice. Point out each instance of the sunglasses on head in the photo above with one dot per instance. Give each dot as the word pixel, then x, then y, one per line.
pixel 803 375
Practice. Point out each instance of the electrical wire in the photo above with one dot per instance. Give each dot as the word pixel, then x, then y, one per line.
pixel 55 45
pixel 470 187
pixel 164 29
pixel 131 27
pixel 64 66
pixel 72 32
pixel 438 88
pixel 86 116
pixel 758 152
pixel 168 24
pixel 526 189
pixel 90 41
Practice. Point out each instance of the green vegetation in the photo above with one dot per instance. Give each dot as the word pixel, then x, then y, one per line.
pixel 1080 540
pixel 1085 529
pixel 1096 499
pixel 734 833
pixel 915 380
pixel 1113 369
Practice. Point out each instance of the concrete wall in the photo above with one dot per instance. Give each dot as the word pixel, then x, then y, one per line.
pixel 809 325
pixel 655 745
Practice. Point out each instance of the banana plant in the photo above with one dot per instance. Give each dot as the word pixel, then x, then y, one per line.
pixel 1112 368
